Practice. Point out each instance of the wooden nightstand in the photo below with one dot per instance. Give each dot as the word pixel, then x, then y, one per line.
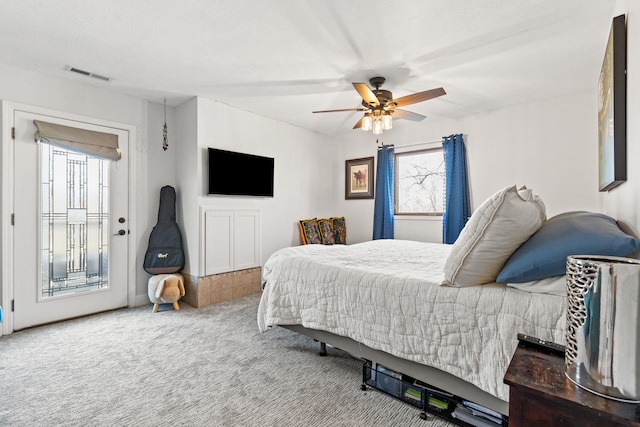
pixel 541 395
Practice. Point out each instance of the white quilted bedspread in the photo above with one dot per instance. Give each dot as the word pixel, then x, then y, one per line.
pixel 386 294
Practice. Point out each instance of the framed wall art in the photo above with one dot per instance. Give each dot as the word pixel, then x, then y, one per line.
pixel 359 178
pixel 612 106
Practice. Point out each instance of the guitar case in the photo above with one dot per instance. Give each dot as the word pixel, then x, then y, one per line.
pixel 165 254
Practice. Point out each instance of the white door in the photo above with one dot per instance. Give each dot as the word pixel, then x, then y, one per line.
pixel 70 227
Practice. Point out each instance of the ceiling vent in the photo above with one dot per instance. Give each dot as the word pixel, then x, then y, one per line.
pixel 88 74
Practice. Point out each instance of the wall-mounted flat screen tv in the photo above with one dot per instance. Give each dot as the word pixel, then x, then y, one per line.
pixel 240 174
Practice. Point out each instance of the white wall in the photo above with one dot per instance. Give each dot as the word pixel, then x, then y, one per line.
pixel 187 172
pixel 623 202
pixel 550 146
pixel 75 97
pixel 307 163
pixel 306 172
pixel 159 170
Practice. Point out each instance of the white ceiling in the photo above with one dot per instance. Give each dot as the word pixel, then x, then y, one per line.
pixel 285 58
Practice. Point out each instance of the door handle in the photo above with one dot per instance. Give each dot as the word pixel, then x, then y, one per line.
pixel 120 233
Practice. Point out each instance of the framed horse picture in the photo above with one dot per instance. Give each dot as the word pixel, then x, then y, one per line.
pixel 359 178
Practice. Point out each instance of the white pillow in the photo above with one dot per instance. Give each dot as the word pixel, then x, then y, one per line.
pixel 495 230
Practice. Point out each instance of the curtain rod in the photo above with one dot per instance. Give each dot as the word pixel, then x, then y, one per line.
pixel 418 143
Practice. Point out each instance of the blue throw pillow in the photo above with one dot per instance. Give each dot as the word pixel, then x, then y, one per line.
pixel 571 233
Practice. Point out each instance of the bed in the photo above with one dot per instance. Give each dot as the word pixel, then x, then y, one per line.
pixel 411 307
pixel 387 295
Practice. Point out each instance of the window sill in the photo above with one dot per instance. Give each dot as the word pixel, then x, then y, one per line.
pixel 397 217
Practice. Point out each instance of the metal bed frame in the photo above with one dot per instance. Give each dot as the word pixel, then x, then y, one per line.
pixel 424 373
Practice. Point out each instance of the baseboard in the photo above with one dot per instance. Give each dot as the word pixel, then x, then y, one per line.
pixel 141 300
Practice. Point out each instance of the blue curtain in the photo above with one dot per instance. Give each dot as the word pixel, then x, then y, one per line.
pixel 456 205
pixel 383 212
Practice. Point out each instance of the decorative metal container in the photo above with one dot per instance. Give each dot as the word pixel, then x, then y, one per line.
pixel 603 326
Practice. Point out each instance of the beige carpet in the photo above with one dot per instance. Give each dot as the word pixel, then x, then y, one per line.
pixel 193 367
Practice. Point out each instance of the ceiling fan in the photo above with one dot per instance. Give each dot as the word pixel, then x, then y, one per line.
pixel 380 107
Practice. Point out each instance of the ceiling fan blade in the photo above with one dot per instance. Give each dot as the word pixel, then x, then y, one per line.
pixel 407 115
pixel 359 124
pixel 366 94
pixel 418 97
pixel 337 111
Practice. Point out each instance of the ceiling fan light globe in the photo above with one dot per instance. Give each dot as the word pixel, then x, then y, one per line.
pixel 367 122
pixel 377 127
pixel 387 122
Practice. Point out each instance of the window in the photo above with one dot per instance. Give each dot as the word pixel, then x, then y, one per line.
pixel 74 205
pixel 419 182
